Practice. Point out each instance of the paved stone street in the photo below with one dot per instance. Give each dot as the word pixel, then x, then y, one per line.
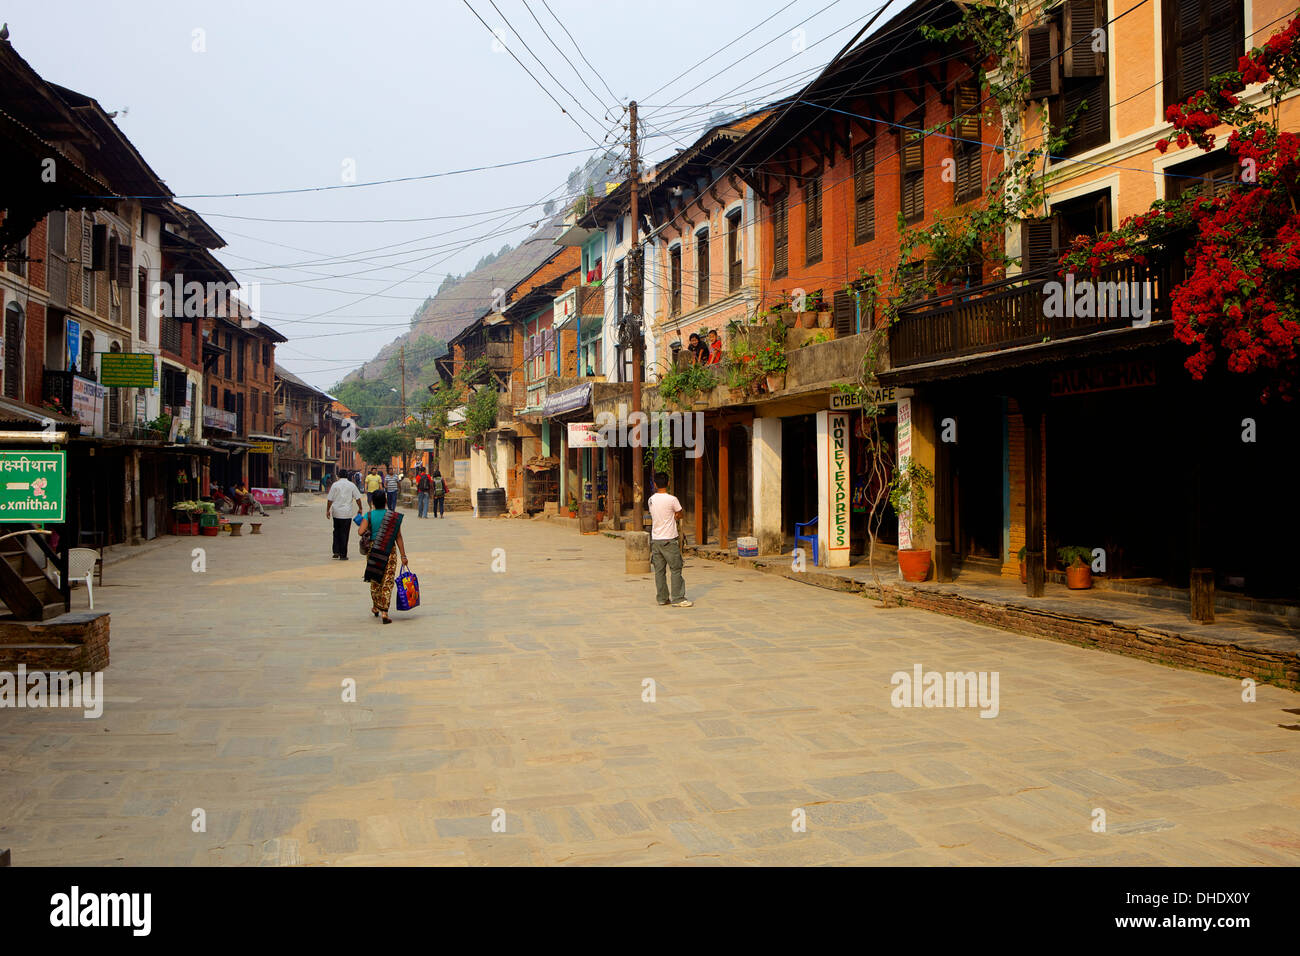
pixel 523 692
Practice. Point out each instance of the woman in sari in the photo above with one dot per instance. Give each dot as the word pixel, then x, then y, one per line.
pixel 381 563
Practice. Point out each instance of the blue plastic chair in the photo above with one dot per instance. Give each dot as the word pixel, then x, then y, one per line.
pixel 800 534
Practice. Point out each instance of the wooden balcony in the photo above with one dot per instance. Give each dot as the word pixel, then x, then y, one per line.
pixel 1012 313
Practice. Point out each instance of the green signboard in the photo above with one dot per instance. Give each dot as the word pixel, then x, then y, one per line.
pixel 129 369
pixel 33 485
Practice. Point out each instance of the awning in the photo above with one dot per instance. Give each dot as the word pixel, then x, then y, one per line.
pixel 275 438
pixel 230 443
pixel 569 400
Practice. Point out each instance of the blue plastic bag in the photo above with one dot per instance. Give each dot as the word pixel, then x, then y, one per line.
pixel 358 518
pixel 408 590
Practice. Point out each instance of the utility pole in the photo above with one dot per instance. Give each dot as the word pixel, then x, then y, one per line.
pixel 406 461
pixel 638 342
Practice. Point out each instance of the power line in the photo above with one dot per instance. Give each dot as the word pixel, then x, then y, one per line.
pixel 564 56
pixel 540 86
pixel 577 47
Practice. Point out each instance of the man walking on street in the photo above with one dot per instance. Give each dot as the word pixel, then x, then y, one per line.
pixel 342 504
pixel 372 485
pixel 423 485
pixel 439 494
pixel 665 550
pixel 391 485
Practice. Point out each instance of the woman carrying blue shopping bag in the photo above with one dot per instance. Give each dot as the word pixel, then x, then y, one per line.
pixel 381 540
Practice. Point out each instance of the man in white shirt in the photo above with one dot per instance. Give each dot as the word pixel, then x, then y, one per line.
pixel 665 551
pixel 342 504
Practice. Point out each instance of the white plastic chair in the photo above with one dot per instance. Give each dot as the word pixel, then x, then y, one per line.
pixel 81 565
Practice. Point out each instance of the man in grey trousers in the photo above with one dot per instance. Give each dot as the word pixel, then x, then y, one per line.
pixel 665 550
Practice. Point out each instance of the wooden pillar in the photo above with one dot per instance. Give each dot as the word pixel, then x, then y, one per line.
pixel 1035 568
pixel 613 488
pixel 1202 588
pixel 701 519
pixel 724 485
pixel 943 510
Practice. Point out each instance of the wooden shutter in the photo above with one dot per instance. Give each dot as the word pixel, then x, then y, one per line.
pixel 111 264
pixel 1224 40
pixel 1039 242
pixel 780 236
pixel 675 267
pixel 13 352
pixel 99 247
pixel 846 313
pixel 124 265
pixel 970 172
pixel 142 303
pixel 1082 17
pixel 864 192
pixel 913 151
pixel 966 111
pixel 1085 101
pixel 813 221
pixel 1043 46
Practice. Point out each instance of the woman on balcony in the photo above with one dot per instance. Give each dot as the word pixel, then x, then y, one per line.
pixel 698 349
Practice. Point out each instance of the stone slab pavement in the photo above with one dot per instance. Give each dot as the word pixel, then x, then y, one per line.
pixel 508 721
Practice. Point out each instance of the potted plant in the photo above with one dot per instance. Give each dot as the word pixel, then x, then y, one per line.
pixel 1024 574
pixel 908 494
pixel 772 363
pixel 810 316
pixel 1077 562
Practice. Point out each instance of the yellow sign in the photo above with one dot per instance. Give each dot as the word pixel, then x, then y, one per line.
pixel 261 448
pixel 454 433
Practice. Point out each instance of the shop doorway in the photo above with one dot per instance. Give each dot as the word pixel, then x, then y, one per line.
pixel 798 471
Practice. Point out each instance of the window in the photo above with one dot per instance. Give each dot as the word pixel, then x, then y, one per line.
pixel 675 278
pixel 212 396
pixel 18 263
pixel 911 283
pixel 733 251
pixel 13 365
pixel 1202 39
pixel 142 303
pixel 1067 67
pixel 864 192
pixel 230 347
pixel 266 355
pixel 170 334
pixel 912 162
pixel 702 267
pixel 969 182
pixel 618 291
pixel 618 231
pixel 1211 175
pixel 88 355
pixel 87 278
pixel 781 236
pixel 229 400
pixel 241 352
pixel 1043 240
pixel 812 209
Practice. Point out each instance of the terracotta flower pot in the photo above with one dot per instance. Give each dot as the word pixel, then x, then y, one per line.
pixel 914 563
pixel 824 319
pixel 1024 574
pixel 1078 577
pixel 776 381
pixel 788 319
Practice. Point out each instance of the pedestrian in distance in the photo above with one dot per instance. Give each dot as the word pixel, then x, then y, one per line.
pixel 373 483
pixel 385 527
pixel 342 504
pixel 423 488
pixel 665 548
pixel 439 494
pixel 392 484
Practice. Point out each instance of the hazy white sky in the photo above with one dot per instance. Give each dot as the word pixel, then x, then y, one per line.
pixel 284 94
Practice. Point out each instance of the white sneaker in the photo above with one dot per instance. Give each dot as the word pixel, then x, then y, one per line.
pixel 684 603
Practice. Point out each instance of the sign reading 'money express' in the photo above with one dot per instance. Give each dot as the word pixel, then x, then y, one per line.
pixel 32 485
